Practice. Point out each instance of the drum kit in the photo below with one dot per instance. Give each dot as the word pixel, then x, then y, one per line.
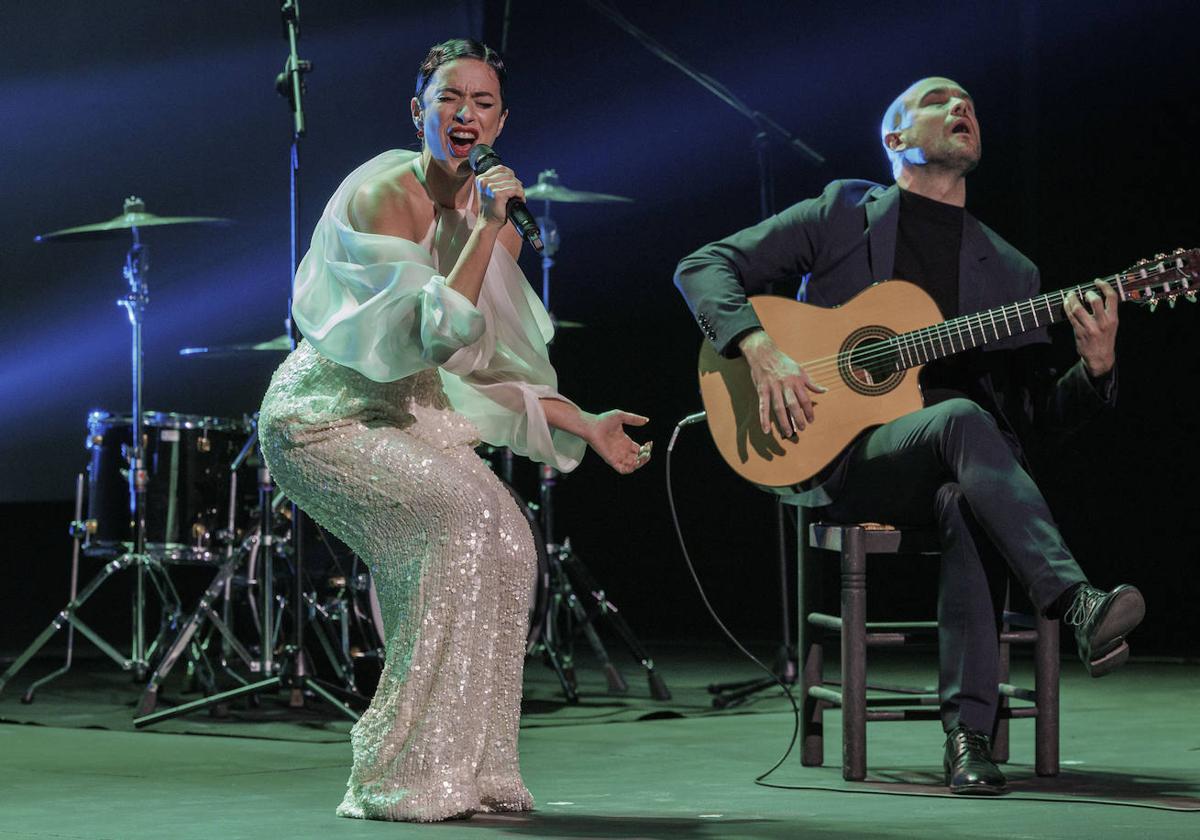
pixel 165 490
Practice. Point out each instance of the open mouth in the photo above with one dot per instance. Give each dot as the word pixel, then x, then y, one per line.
pixel 961 127
pixel 461 141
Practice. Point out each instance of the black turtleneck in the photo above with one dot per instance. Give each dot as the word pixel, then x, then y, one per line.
pixel 928 242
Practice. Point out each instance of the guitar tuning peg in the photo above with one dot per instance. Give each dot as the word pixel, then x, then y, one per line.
pixel 1171 301
pixel 1160 256
pixel 1154 304
pixel 1191 297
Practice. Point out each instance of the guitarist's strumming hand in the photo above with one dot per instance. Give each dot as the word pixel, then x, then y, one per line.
pixel 1095 327
pixel 783 386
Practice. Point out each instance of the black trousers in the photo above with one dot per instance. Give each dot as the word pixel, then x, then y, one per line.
pixel 949 466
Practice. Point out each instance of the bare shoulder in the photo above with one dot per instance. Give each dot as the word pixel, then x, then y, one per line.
pixel 392 203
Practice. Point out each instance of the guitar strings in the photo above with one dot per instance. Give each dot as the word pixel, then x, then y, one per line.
pixel 922 339
pixel 916 341
pixel 921 342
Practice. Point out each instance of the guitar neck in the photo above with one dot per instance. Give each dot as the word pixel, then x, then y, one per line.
pixel 919 347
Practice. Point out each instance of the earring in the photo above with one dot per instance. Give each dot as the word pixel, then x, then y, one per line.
pixel 420 134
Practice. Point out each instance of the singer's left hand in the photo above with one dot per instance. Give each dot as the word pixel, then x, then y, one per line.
pixel 606 435
pixel 1095 327
pixel 496 188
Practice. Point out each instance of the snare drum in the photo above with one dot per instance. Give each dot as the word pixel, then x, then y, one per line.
pixel 188 462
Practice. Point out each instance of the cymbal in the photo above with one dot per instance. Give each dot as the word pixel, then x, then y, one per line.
pixel 279 344
pixel 135 216
pixel 549 189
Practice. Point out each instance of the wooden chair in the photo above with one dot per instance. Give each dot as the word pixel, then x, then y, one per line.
pixel 853 544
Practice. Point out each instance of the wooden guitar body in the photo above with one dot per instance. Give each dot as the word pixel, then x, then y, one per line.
pixel 858 399
pixel 870 351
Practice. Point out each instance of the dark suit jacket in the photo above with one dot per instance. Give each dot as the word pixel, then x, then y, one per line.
pixel 843 241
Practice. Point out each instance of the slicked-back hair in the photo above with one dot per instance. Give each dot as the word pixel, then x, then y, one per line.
pixel 456 48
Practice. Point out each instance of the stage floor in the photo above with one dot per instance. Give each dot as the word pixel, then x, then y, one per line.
pixel 626 767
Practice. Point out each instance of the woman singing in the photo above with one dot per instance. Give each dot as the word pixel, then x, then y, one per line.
pixel 422 338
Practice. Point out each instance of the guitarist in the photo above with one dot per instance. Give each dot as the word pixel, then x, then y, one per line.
pixel 956 464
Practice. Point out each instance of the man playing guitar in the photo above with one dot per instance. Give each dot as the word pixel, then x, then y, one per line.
pixel 956 464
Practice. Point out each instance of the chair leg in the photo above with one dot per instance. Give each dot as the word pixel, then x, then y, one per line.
pixel 812 724
pixel 1000 743
pixel 811 650
pixel 1046 673
pixel 854 655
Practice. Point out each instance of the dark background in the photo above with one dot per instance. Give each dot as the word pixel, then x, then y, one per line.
pixel 1089 114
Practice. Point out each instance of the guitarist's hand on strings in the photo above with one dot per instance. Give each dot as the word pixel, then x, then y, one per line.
pixel 783 386
pixel 1095 326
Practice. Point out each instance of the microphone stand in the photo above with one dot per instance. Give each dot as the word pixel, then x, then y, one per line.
pixel 766 129
pixel 291 672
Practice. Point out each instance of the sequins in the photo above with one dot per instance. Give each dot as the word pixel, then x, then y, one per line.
pixel 390 470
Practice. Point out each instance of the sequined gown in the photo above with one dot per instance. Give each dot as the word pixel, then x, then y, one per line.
pixel 374 446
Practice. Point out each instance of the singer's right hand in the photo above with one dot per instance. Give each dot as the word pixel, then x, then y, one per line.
pixel 496 188
pixel 782 385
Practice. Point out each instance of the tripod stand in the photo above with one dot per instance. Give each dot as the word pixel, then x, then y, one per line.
pixel 576 602
pixel 147 566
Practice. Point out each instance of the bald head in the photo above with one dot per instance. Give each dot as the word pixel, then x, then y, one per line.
pixel 918 128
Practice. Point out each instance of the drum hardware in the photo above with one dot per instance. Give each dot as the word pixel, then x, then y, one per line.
pixel 148 568
pixel 292 672
pixel 247 577
pixel 185 639
pixel 278 345
pixel 187 459
pixel 548 190
pixel 68 617
pixel 78 530
pixel 333 617
pixel 563 613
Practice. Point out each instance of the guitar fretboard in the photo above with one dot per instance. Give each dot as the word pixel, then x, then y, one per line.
pixel 967 332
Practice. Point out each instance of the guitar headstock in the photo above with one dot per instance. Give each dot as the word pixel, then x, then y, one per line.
pixel 1166 277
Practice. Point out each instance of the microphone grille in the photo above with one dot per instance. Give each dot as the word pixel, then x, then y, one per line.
pixel 482 158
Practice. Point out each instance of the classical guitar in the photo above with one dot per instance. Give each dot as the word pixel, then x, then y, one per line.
pixel 869 353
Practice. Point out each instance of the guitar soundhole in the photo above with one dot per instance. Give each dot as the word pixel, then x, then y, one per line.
pixel 868 363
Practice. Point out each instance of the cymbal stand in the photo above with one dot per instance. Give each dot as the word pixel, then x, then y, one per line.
pixel 146 566
pixel 292 671
pixel 566 612
pixel 550 238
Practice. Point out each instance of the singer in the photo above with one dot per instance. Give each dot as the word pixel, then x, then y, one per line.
pixel 422 338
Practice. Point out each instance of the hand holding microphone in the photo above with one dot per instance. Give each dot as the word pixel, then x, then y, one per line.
pixel 482 159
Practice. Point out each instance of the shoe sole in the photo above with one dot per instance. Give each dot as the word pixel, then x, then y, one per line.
pixel 1126 613
pixel 976 790
pixel 1110 661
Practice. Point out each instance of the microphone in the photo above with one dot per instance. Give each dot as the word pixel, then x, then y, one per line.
pixel 482 158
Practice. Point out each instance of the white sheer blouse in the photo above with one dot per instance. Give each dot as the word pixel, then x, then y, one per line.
pixel 380 305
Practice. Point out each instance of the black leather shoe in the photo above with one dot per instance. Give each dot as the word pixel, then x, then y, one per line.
pixel 1102 620
pixel 968 764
